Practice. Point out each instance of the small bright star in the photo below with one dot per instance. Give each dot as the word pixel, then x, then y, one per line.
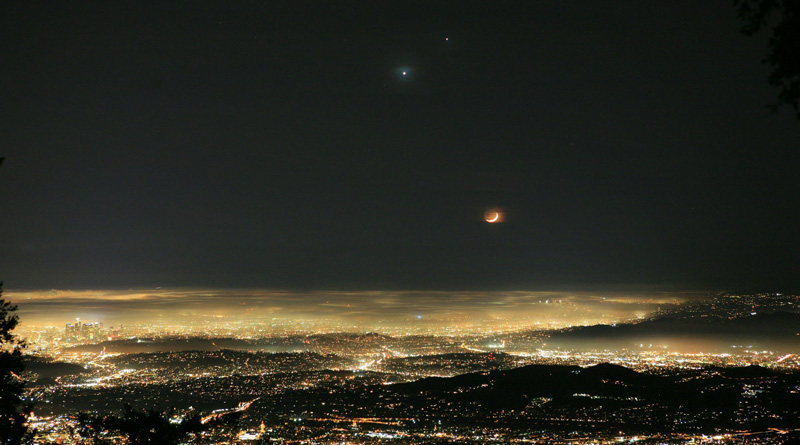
pixel 404 73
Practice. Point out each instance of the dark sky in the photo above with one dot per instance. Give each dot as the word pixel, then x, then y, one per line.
pixel 277 144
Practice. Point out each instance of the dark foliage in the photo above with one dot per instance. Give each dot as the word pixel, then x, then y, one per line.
pixel 141 427
pixel 782 17
pixel 13 410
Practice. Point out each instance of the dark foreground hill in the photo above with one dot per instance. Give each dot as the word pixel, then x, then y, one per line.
pixel 228 361
pixel 42 371
pixel 147 345
pixel 602 398
pixel 776 331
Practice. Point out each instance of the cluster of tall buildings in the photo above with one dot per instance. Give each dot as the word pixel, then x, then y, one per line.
pixel 83 331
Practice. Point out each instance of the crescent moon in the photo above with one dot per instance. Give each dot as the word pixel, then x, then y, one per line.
pixel 496 216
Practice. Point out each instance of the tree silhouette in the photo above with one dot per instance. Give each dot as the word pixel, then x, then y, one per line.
pixel 13 411
pixel 144 427
pixel 783 18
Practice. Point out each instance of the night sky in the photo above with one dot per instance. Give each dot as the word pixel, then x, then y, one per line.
pixel 280 145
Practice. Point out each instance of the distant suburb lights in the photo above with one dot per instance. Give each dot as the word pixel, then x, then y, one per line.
pixel 493 216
